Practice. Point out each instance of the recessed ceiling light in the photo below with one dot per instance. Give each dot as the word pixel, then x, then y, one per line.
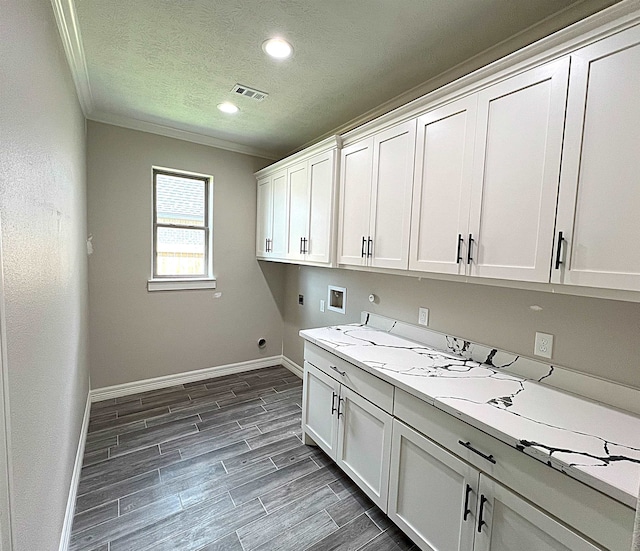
pixel 227 107
pixel 277 48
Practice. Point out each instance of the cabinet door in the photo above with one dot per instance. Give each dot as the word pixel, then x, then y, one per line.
pixel 390 221
pixel 319 408
pixel 432 493
pixel 509 522
pixel 364 445
pixel 320 235
pixel 298 210
pixel 442 188
pixel 279 216
pixel 516 173
pixel 355 194
pixel 264 217
pixel 599 202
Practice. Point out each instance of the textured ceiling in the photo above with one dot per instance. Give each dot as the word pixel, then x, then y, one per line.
pixel 170 62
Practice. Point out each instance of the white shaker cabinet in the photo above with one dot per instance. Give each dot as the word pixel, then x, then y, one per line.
pixel 516 172
pixel 506 522
pixel 295 207
pixel 297 210
pixel 445 504
pixel 271 222
pixel 442 187
pixel 375 207
pixel 353 431
pixel 598 221
pixel 432 493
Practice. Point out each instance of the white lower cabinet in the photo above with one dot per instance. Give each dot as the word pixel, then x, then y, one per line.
pixel 507 522
pixel 355 433
pixel 432 493
pixel 445 504
pixel 447 485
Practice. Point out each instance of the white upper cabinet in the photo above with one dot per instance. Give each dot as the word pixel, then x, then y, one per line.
pixel 278 248
pixel 264 219
pixel 320 221
pixel 271 221
pixel 516 173
pixel 598 221
pixel 355 202
pixel 442 187
pixel 295 211
pixel 298 210
pixel 375 207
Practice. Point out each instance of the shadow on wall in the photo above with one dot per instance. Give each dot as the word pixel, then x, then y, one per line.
pixel 275 275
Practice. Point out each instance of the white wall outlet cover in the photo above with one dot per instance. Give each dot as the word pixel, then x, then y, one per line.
pixel 543 345
pixel 322 305
pixel 423 316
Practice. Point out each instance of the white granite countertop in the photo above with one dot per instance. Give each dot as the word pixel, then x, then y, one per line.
pixel 595 444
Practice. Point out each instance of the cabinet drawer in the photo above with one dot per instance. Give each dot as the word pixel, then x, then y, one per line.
pixel 606 521
pixel 369 386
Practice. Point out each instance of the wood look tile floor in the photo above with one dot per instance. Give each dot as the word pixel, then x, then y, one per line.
pixel 218 465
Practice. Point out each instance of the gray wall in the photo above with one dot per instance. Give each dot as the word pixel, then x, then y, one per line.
pixel 42 210
pixel 595 336
pixel 136 334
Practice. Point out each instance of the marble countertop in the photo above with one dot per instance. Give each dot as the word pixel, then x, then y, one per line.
pixel 595 444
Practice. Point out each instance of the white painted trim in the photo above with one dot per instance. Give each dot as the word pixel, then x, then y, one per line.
pixel 180 284
pixel 67 20
pixel 292 366
pixel 134 387
pixel 75 479
pixel 185 135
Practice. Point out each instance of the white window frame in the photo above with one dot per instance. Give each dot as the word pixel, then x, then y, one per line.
pixel 176 283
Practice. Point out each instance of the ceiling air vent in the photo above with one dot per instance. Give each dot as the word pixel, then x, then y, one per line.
pixel 249 92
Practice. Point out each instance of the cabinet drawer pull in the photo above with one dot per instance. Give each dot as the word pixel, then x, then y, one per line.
pixel 559 250
pixel 369 247
pixel 469 248
pixel 343 373
pixel 364 243
pixel 483 455
pixel 458 257
pixel 481 521
pixel 340 413
pixel 466 502
pixel 305 245
pixel 333 403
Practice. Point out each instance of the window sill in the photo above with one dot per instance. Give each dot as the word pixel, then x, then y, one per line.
pixel 180 284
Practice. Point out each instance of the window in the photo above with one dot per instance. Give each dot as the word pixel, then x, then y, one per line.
pixel 182 231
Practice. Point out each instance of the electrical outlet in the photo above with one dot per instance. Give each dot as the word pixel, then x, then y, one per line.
pixel 543 345
pixel 301 299
pixel 423 316
pixel 322 305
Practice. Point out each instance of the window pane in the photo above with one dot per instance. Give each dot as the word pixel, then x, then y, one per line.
pixel 179 200
pixel 180 252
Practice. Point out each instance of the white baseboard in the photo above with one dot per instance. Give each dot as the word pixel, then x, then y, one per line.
pixel 292 366
pixel 125 389
pixel 75 479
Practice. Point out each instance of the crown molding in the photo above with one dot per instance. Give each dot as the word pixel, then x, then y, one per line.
pixel 185 135
pixel 67 21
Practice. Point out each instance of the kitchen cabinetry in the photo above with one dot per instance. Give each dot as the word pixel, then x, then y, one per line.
pixel 349 428
pixel 491 213
pixel 444 161
pixel 447 484
pixel 516 173
pixel 443 503
pixel 271 222
pixel 295 207
pixel 376 183
pixel 599 202
pixel 432 493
